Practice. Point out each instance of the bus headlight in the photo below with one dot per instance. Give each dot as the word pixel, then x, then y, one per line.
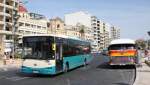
pixel 48 61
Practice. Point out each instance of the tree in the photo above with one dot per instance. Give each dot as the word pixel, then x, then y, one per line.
pixel 141 43
pixel 82 32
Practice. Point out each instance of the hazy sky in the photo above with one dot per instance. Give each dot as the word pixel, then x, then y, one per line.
pixel 131 16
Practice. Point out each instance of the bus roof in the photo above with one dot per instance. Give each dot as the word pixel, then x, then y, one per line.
pixel 61 36
pixel 122 41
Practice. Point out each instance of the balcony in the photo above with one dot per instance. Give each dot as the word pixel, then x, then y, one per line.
pixel 1 22
pixel 5 32
pixel 1 4
pixel 9 6
pixel 1 13
pixel 9 23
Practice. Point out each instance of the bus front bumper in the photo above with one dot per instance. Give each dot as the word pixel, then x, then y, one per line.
pixel 47 70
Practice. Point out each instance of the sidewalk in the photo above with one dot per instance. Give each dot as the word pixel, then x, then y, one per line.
pixel 143 75
pixel 16 63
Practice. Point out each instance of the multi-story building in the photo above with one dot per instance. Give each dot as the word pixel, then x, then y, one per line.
pixel 8 24
pixel 115 33
pixel 106 33
pixel 96 30
pixel 31 23
pixel 99 30
pixel 101 34
pixel 82 18
pixel 56 26
pixel 78 31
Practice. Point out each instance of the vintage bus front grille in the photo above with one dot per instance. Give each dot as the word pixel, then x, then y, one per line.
pixel 122 60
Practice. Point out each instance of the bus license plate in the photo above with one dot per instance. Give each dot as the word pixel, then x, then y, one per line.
pixel 35 71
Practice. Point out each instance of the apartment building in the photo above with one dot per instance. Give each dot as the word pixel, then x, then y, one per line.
pixel 56 26
pixel 78 31
pixel 99 30
pixel 96 31
pixel 8 24
pixel 106 33
pixel 83 18
pixel 115 33
pixel 31 23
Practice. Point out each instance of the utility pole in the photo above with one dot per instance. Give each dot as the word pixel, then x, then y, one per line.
pixel 148 40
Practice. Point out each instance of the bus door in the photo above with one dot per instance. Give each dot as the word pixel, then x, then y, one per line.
pixel 59 57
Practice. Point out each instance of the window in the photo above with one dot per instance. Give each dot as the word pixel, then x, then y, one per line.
pixel 21 24
pixel 7 29
pixel 7 11
pixel 58 26
pixel 7 3
pixel 8 37
pixel 26 24
pixel 73 48
pixel 16 4
pixel 7 20
pixel 38 26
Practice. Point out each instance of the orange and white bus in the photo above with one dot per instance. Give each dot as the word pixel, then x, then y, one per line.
pixel 122 52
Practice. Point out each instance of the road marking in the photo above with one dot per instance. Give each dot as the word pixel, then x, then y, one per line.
pixel 16 78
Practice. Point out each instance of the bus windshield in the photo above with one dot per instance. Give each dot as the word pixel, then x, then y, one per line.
pixel 122 47
pixel 37 48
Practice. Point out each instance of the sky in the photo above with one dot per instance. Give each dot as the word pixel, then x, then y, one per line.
pixel 131 16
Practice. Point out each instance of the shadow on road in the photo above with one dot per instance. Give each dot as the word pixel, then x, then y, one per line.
pixel 105 65
pixel 121 84
pixel 36 75
pixel 45 76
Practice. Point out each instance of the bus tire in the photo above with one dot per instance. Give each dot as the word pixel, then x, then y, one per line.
pixel 66 67
pixel 85 62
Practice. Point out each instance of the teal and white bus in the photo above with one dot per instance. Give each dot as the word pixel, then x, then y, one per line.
pixel 49 54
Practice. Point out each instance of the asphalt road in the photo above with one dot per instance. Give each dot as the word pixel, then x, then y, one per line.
pixel 96 73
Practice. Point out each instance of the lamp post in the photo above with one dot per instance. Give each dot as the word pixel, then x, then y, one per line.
pixel 148 40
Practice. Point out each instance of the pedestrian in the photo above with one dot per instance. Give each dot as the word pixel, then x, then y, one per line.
pixel 5 58
pixel 139 57
pixel 11 59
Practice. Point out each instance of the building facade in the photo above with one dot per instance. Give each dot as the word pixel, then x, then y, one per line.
pixel 82 18
pixel 115 33
pixel 56 26
pixel 8 24
pixel 99 30
pixel 31 23
pixel 79 31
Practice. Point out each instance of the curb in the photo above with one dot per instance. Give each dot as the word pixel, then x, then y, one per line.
pixel 136 79
pixel 147 62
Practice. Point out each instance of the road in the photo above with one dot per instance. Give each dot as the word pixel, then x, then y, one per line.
pixel 96 73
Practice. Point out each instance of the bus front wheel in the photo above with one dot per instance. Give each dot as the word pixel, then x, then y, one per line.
pixel 66 67
pixel 85 62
